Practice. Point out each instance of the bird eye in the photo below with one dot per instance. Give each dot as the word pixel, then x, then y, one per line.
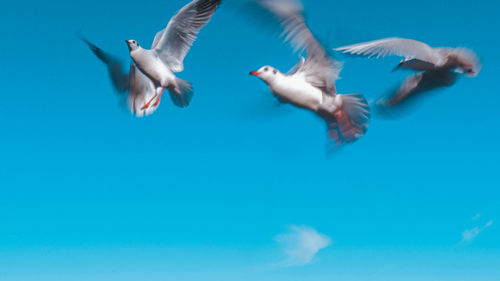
pixel 265 69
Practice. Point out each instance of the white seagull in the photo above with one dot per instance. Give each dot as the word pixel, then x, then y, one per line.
pixel 139 87
pixel 438 66
pixel 311 83
pixel 169 48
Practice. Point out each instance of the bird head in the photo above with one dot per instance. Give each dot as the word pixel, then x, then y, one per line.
pixel 467 68
pixel 132 45
pixel 266 73
pixel 466 61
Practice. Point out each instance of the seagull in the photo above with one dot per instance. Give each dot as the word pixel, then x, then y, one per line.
pixel 310 84
pixel 139 87
pixel 169 48
pixel 438 67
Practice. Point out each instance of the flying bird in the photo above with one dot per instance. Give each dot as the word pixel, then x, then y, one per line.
pixel 311 83
pixel 139 87
pixel 438 67
pixel 169 48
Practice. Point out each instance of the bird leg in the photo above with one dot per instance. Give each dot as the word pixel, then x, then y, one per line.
pixel 334 133
pixel 159 97
pixel 146 106
pixel 345 127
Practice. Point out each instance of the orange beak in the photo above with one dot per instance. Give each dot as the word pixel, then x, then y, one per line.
pixel 255 73
pixel 466 64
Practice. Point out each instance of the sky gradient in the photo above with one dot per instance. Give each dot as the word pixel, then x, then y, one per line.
pixel 208 192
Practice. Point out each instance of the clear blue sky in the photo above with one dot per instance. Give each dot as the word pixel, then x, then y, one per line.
pixel 88 192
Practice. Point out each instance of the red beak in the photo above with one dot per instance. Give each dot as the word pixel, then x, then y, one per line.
pixel 255 73
pixel 466 64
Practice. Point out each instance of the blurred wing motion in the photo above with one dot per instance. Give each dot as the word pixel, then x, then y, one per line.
pixel 348 122
pixel 320 69
pixel 140 88
pixel 142 91
pixel 407 48
pixel 415 85
pixel 173 42
pixel 347 116
pixel 117 74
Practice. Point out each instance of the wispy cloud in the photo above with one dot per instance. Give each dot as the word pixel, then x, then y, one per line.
pixel 477 216
pixel 470 234
pixel 301 244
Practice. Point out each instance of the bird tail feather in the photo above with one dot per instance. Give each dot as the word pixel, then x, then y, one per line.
pixel 349 121
pixel 181 92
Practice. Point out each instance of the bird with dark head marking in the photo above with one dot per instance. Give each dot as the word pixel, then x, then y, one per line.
pixel 139 87
pixel 153 70
pixel 169 48
pixel 439 67
pixel 311 83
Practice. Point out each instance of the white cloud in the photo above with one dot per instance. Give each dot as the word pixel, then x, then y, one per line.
pixel 470 234
pixel 477 216
pixel 301 244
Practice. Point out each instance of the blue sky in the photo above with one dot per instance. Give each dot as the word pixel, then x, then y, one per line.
pixel 88 192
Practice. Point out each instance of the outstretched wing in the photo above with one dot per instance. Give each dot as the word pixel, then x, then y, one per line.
pixel 117 74
pixel 415 85
pixel 173 43
pixel 320 69
pixel 407 48
pixel 140 88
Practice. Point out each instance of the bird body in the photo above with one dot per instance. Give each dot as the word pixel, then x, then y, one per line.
pixel 296 90
pixel 438 67
pixel 140 87
pixel 311 83
pixel 169 48
pixel 153 70
pixel 153 67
